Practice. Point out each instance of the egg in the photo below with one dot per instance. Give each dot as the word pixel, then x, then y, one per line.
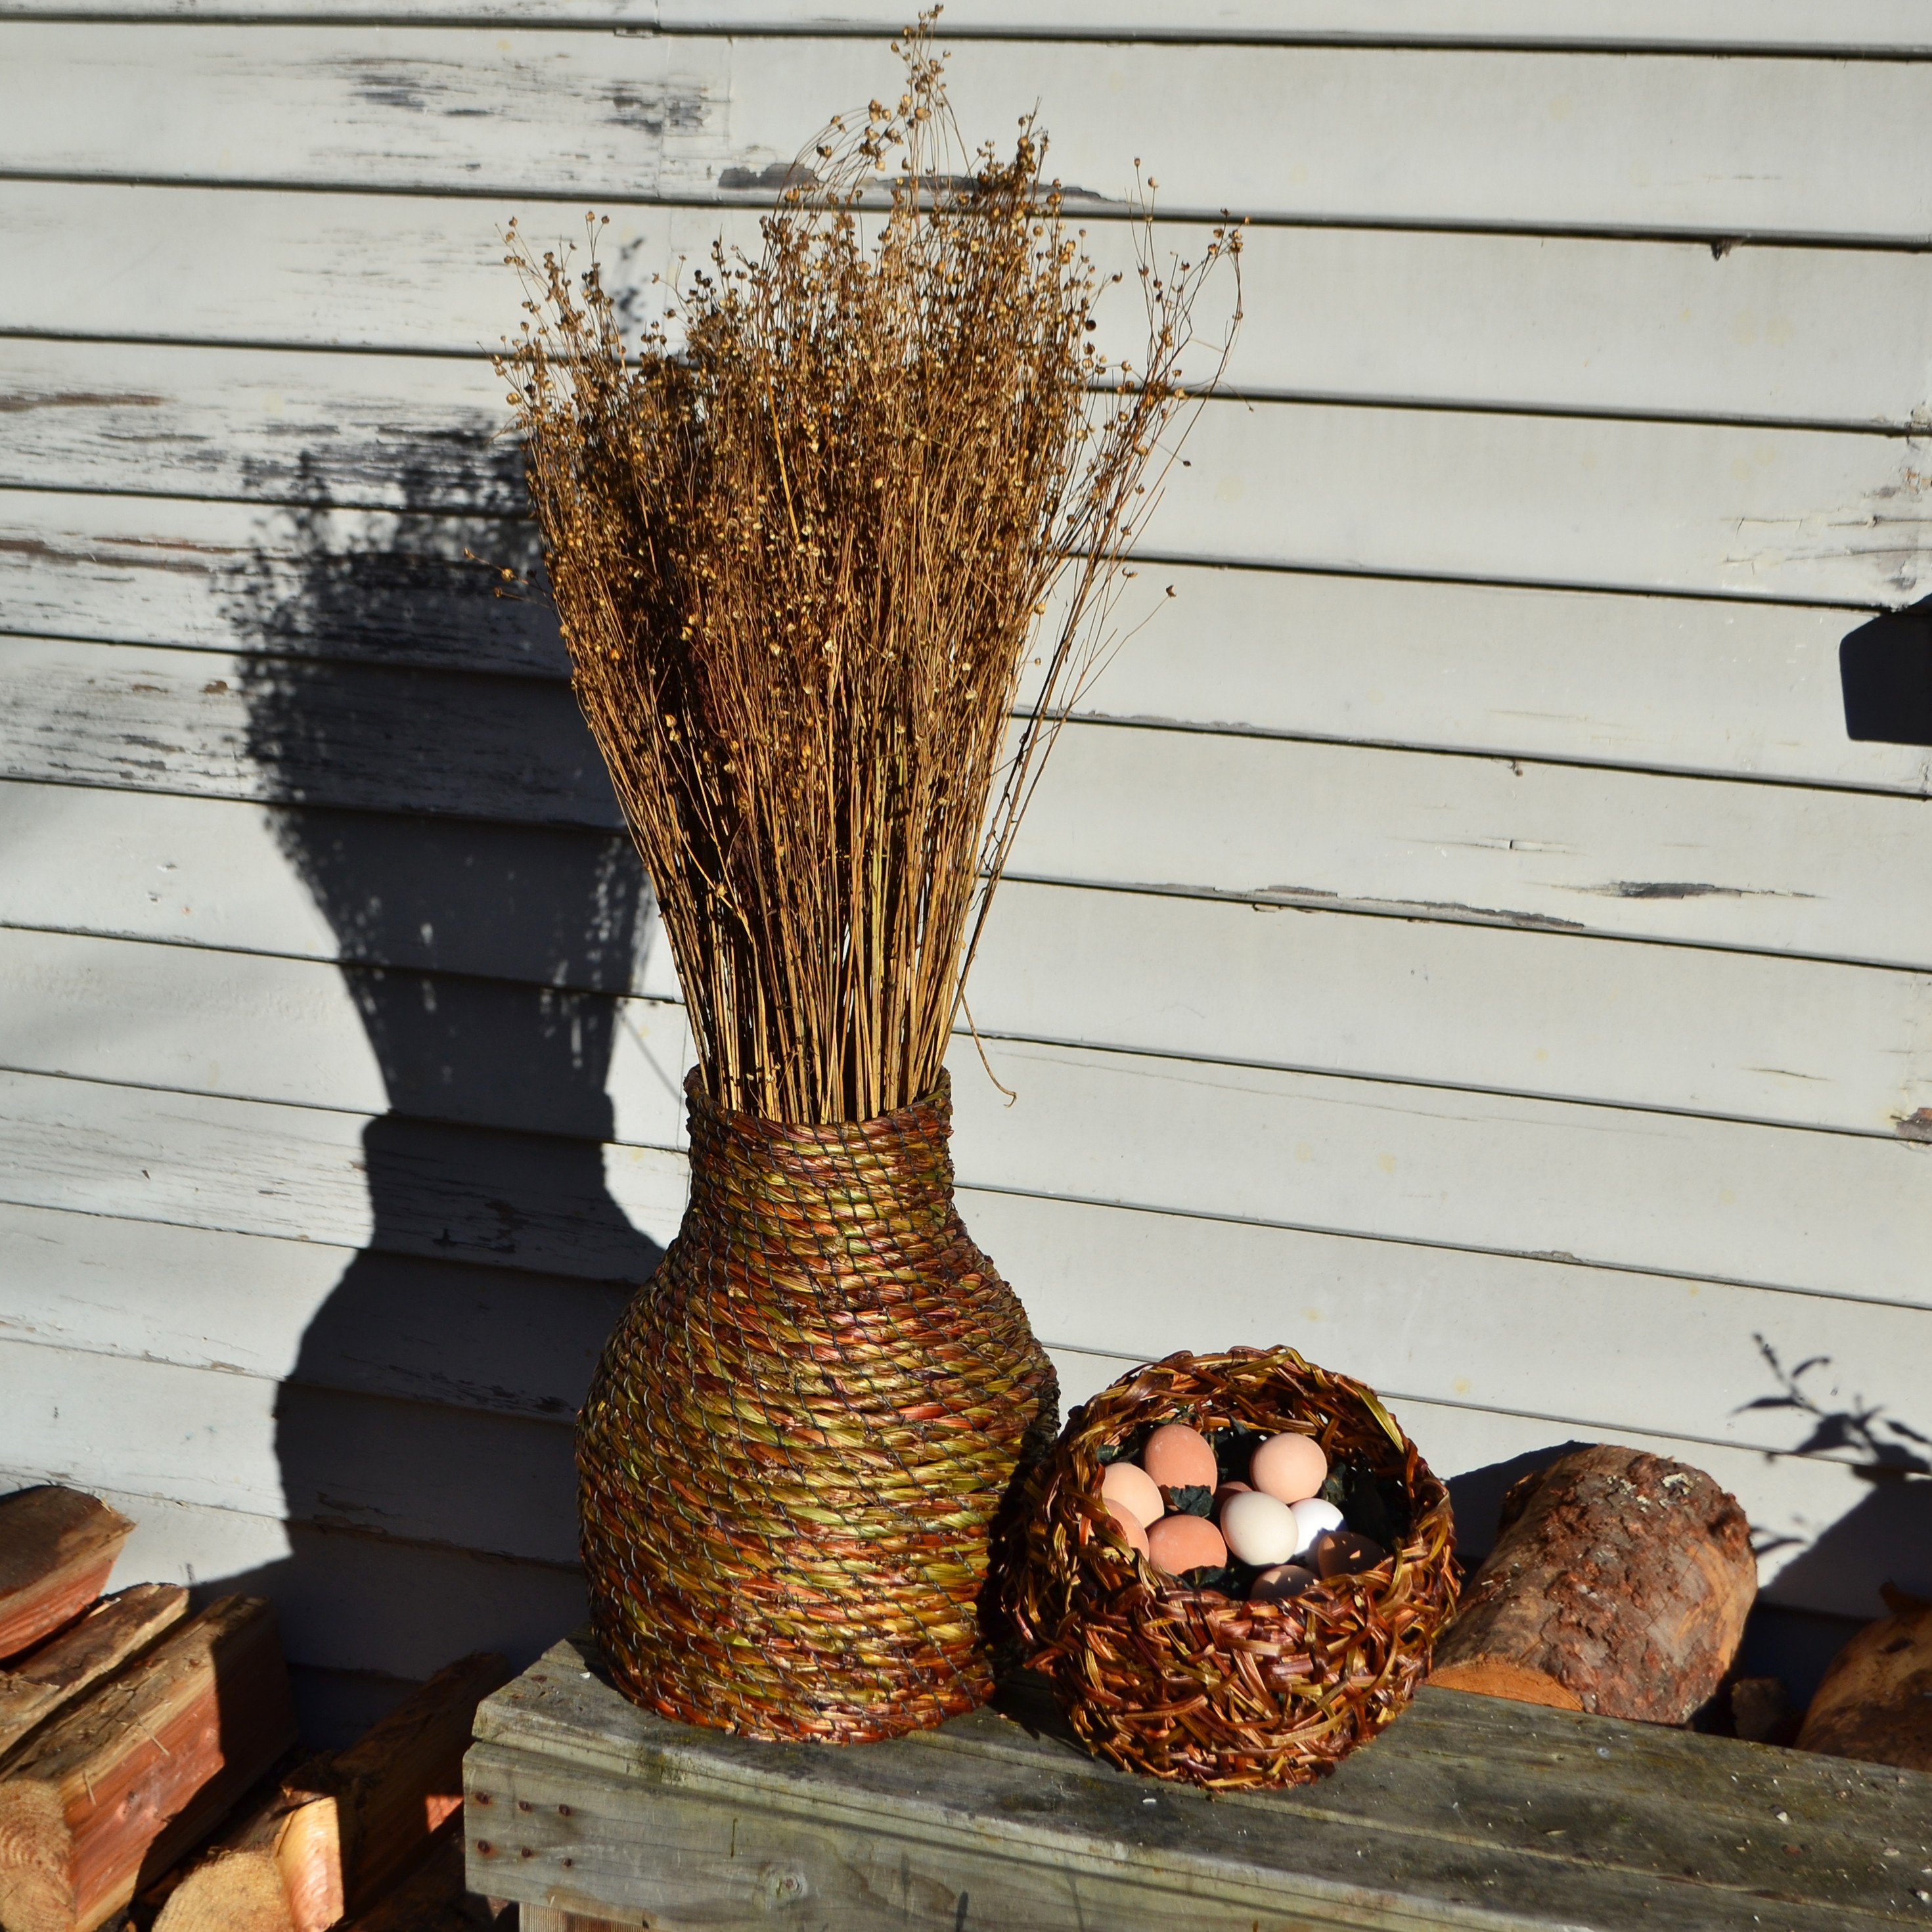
pixel 1178 1457
pixel 1291 1467
pixel 1224 1492
pixel 1260 1529
pixel 1133 1490
pixel 1284 1582
pixel 1313 1518
pixel 1342 1553
pixel 1128 1525
pixel 1180 1543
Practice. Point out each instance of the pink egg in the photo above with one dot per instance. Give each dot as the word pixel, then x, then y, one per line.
pixel 1179 1544
pixel 1133 1490
pixel 1130 1526
pixel 1178 1458
pixel 1289 1468
pixel 1280 1585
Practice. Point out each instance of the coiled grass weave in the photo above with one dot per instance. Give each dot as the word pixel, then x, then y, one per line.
pixel 800 1432
pixel 1194 1685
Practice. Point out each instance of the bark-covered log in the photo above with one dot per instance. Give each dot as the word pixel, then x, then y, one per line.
pixel 56 1548
pixel 1875 1700
pixel 40 1683
pixel 1619 1584
pixel 141 1768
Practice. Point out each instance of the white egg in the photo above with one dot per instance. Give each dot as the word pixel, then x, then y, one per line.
pixel 1260 1529
pixel 1312 1519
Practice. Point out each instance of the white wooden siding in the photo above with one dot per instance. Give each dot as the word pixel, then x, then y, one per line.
pixel 1458 937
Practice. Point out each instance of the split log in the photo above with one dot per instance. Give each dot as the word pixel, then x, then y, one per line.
pixel 43 1681
pixel 339 1832
pixel 1619 1584
pixel 141 1769
pixel 56 1549
pixel 1875 1700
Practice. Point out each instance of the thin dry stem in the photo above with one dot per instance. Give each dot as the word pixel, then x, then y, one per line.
pixel 800 553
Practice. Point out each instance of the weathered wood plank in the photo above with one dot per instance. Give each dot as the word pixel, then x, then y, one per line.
pixel 1867 27
pixel 1673 683
pixel 1574 324
pixel 1544 846
pixel 62 1668
pixel 428 1473
pixel 1467 1812
pixel 1563 1340
pixel 1771 147
pixel 1824 1213
pixel 1468 1007
pixel 567 909
pixel 347 1600
pixel 1835 516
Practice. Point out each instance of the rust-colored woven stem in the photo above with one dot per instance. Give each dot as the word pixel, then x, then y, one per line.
pixel 1191 1684
pixel 800 1432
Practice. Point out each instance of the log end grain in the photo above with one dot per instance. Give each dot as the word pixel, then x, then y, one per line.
pixel 1498 1677
pixel 1875 1700
pixel 37 1878
pixel 233 1892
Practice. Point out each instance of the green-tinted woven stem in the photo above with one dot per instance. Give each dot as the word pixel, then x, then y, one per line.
pixel 799 1434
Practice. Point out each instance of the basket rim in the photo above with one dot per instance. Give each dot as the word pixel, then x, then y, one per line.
pixel 1073 1456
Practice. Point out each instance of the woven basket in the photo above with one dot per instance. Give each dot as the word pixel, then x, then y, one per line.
pixel 800 1433
pixel 1197 1686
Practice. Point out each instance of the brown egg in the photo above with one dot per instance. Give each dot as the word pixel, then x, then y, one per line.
pixel 1180 1543
pixel 1178 1458
pixel 1128 1525
pixel 1281 1585
pixel 1289 1468
pixel 1133 1490
pixel 1342 1553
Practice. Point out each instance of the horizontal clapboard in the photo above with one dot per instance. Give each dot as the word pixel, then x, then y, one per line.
pixel 505 1343
pixel 1504 321
pixel 1824 516
pixel 1503 139
pixel 1731 688
pixel 1553 847
pixel 348 1462
pixel 1464 1006
pixel 1860 27
pixel 342 1598
pixel 1830 1214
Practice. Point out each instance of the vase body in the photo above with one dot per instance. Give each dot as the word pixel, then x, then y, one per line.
pixel 800 1434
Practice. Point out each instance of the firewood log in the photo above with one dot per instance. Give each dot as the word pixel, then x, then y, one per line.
pixel 338 1831
pixel 1875 1700
pixel 1620 1584
pixel 141 1768
pixel 56 1548
pixel 42 1681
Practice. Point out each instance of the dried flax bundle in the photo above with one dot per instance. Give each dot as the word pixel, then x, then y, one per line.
pixel 802 539
pixel 802 532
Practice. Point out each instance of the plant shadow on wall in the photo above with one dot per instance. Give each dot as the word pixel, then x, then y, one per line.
pixel 438 794
pixel 1887 1537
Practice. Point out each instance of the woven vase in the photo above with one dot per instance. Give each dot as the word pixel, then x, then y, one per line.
pixel 801 1432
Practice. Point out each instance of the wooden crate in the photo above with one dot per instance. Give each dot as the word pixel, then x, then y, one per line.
pixel 1469 1812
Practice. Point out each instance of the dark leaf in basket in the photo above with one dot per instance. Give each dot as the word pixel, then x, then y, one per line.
pixel 1191 1499
pixel 1109 1452
pixel 1234 1449
pixel 1213 1577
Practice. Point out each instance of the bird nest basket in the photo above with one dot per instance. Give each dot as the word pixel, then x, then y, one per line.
pixel 799 1434
pixel 1160 1675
